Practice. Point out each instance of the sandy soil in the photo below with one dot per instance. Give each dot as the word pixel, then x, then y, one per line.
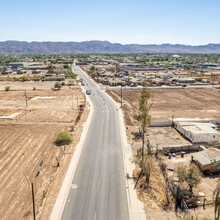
pixel 26 85
pixel 182 103
pixel 28 139
pixel 159 137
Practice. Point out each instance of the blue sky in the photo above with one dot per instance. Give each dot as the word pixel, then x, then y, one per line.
pixel 192 22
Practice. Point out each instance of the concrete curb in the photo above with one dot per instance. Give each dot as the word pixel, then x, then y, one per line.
pixel 136 207
pixel 64 190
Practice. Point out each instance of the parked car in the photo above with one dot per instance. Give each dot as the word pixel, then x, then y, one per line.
pixel 88 92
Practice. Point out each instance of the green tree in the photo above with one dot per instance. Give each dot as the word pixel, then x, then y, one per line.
pixel 92 71
pixel 190 175
pixel 51 68
pixel 70 74
pixel 143 116
pixel 147 166
pixel 7 88
pixel 57 85
pixel 65 66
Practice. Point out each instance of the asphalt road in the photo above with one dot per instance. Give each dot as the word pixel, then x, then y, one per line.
pixel 98 190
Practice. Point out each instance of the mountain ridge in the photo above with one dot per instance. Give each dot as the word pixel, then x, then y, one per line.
pixel 96 46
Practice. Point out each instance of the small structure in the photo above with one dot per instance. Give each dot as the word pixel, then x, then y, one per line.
pixel 207 160
pixel 6 72
pixel 198 132
pixel 21 72
pixel 114 82
pixel 60 78
pixel 14 115
pixel 36 71
pixel 185 80
pixel 166 75
pixel 135 82
pixel 17 65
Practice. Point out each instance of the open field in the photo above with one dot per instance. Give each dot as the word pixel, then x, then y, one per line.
pixel 182 103
pixel 28 139
pixel 26 85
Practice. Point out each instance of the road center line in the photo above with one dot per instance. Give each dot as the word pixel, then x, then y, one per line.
pixel 98 183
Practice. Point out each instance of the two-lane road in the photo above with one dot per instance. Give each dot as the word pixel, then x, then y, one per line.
pixel 98 189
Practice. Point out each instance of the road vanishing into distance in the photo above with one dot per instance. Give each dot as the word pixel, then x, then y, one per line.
pixel 99 191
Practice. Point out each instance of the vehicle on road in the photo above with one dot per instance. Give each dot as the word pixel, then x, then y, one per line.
pixel 88 92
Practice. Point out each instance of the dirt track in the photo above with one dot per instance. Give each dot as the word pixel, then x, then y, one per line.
pixel 28 139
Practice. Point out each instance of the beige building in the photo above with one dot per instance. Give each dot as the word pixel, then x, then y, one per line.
pixel 207 160
pixel 198 132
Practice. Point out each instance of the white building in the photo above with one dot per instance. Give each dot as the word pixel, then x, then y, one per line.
pixel 198 132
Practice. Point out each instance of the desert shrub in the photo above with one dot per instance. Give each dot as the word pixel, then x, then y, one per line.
pixel 72 128
pixel 7 88
pixel 57 85
pixel 63 138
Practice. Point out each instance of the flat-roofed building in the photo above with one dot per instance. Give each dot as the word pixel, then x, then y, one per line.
pixel 198 132
pixel 185 80
pixel 207 160
pixel 18 64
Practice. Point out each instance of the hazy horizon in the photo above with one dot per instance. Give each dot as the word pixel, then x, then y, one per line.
pixel 125 22
pixel 107 41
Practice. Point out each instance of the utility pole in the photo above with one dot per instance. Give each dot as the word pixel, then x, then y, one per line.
pixel 121 96
pixel 25 94
pixel 33 201
pixel 172 121
pixel 77 104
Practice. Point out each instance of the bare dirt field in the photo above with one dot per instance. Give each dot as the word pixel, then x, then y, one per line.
pixel 182 103
pixel 27 140
pixel 26 85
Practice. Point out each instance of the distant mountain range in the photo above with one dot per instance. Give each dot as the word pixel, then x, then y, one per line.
pixel 23 47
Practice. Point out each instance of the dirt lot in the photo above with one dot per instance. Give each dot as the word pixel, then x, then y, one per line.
pixel 28 139
pixel 182 103
pixel 159 138
pixel 26 85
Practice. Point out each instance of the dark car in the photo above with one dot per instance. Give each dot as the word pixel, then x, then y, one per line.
pixel 88 92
